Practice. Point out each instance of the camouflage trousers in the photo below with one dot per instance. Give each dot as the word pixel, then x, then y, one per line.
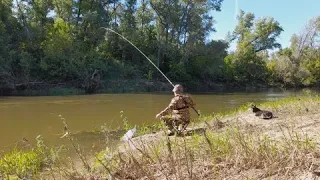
pixel 173 122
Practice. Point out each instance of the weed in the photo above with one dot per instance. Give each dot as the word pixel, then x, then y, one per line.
pixel 26 164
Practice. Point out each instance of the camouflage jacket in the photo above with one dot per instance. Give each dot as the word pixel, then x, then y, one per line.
pixel 179 106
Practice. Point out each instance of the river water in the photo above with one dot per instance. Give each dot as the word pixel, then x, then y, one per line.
pixel 28 117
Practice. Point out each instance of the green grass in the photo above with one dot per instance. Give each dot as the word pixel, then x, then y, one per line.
pixel 22 164
pixel 65 91
pixel 275 105
pixel 28 162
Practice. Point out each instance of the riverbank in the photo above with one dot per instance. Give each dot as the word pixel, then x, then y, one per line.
pixel 235 145
pixel 232 145
pixel 133 86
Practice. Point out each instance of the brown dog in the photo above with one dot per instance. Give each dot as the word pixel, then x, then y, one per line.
pixel 262 113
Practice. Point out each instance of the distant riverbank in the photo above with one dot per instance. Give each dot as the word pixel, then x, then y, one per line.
pixel 133 86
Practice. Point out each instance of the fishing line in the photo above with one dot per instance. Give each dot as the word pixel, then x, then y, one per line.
pixel 108 29
pixel 140 52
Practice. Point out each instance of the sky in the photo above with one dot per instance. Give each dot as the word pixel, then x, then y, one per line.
pixel 292 15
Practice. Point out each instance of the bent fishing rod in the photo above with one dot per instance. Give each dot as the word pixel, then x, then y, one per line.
pixel 111 30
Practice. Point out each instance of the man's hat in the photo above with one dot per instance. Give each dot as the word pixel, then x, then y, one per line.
pixel 178 88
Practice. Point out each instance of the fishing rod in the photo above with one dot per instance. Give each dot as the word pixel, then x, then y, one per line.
pixel 108 29
pixel 111 30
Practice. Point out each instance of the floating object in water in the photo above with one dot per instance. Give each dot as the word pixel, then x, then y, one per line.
pixel 129 134
pixel 65 134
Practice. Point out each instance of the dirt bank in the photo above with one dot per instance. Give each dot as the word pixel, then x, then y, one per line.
pixel 241 146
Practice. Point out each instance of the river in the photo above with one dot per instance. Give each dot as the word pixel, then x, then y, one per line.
pixel 28 117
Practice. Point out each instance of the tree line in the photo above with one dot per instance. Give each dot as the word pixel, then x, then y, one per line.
pixel 61 42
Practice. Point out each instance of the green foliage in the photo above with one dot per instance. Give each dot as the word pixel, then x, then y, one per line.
pixel 261 34
pixel 179 72
pixel 299 64
pixel 207 62
pixel 26 164
pixel 64 91
pixel 248 65
pixel 271 68
pixel 57 50
pixel 312 65
pixel 247 68
pixel 62 42
pixel 22 164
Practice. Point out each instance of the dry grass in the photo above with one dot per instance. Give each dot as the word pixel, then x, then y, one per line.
pixel 216 156
pixel 240 150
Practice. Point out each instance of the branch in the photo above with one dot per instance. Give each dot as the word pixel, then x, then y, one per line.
pixel 23 17
pixel 158 13
pixel 79 11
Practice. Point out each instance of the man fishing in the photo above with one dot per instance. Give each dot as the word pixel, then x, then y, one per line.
pixel 179 109
pixel 179 106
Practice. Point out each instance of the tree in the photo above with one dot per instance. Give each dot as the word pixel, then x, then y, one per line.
pixel 128 27
pixel 180 26
pixel 207 63
pixel 262 34
pixel 308 38
pixel 299 64
pixel 57 48
pixel 10 35
pixel 144 15
pixel 253 37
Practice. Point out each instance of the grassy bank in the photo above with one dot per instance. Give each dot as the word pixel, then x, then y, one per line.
pixel 232 145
